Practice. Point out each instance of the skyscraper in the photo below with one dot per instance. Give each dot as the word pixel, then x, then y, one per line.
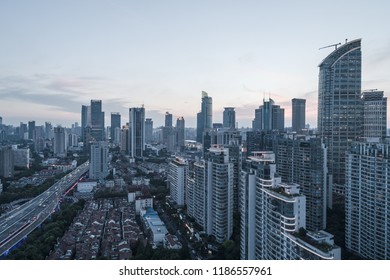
pixel 269 117
pixel 205 116
pixel 97 120
pixel 180 130
pixel 98 164
pixel 367 204
pixel 148 131
pixel 136 131
pixel 59 145
pixel 298 114
pixel 115 124
pixel 374 114
pixel 229 117
pixel 340 107
pixel 6 162
pixel 168 120
pixel 85 120
pixel 31 130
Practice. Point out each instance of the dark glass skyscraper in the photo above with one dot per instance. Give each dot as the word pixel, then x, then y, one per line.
pixel 115 124
pixel 340 106
pixel 298 114
pixel 148 130
pixel 97 120
pixel 136 131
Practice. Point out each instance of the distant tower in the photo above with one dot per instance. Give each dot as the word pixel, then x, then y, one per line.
pixel 98 165
pixel 148 131
pixel 229 117
pixel 97 120
pixel 180 130
pixel 115 124
pixel 340 108
pixel 85 120
pixel 298 114
pixel 6 162
pixel 136 131
pixel 269 117
pixel 205 116
pixel 31 130
pixel 374 114
pixel 59 141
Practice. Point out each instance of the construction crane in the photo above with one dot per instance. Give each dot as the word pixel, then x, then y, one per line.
pixel 333 45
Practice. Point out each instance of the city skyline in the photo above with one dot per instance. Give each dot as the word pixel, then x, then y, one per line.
pixel 56 57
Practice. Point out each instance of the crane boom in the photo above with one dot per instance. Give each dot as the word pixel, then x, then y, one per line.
pixel 333 45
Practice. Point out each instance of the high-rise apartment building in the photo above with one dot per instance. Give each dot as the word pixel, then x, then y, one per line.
pixel 210 194
pixel 273 222
pixel 229 117
pixel 196 198
pixel 367 203
pixel 136 131
pixel 115 124
pixel 269 117
pixel 177 179
pixel 298 114
pixel 340 109
pixel 374 114
pixel 98 163
pixel 302 160
pixel 204 117
pixel 219 194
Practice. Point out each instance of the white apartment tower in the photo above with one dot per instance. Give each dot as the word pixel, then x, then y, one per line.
pixel 177 177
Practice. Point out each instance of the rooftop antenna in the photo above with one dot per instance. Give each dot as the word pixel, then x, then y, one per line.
pixel 333 45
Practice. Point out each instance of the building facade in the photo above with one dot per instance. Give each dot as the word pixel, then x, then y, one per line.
pixel 367 203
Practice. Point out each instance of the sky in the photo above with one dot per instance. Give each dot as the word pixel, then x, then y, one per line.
pixel 58 55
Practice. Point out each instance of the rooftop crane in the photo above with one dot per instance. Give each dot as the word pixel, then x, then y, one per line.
pixel 333 45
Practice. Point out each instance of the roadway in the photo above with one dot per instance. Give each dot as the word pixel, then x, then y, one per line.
pixel 21 221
